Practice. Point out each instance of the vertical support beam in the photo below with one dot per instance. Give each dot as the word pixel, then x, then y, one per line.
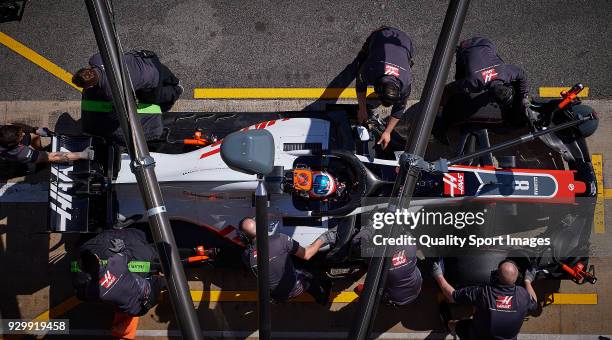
pixel 263 262
pixel 143 166
pixel 415 147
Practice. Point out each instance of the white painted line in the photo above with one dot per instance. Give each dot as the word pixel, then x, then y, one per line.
pixel 24 192
pixel 323 335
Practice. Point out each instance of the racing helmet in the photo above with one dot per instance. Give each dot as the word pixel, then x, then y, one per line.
pixel 323 185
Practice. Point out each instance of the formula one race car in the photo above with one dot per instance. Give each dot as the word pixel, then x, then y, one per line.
pixel 317 173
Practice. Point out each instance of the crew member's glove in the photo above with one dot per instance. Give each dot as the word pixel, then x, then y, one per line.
pixel 437 268
pixel 530 274
pixel 529 113
pixel 88 153
pixel 117 245
pixel 43 132
pixel 328 237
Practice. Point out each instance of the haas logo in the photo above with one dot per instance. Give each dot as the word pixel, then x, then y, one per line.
pixel 503 302
pixel 399 258
pixel 107 280
pixel 488 75
pixel 454 184
pixel 391 70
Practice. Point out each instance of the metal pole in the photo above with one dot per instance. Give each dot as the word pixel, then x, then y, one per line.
pixel 516 141
pixel 143 165
pixel 415 147
pixel 263 263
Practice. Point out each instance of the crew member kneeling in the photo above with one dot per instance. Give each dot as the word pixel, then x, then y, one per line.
pixel 500 307
pixel 482 77
pixel 105 271
pixel 286 281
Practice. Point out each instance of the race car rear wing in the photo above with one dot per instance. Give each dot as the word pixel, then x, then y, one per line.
pixel 81 199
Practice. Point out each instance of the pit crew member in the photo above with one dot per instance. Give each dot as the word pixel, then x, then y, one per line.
pixel 482 77
pixel 286 281
pixel 153 83
pixel 22 144
pixel 404 280
pixel 500 306
pixel 117 267
pixel 385 61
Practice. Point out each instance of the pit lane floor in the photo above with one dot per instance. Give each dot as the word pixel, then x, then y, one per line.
pixel 36 284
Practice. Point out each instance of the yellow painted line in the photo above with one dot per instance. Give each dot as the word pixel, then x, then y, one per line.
pixel 554 92
pixel 251 296
pixel 58 310
pixel 599 221
pixel 276 93
pixel 597 160
pixel 572 299
pixel 37 59
pixel 608 193
pixel 335 297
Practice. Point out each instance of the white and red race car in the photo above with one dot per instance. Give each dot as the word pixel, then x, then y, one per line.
pixel 320 175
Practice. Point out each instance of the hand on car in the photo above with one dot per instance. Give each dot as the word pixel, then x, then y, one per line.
pixel 87 153
pixel 384 140
pixel 328 237
pixel 437 268
pixel 530 275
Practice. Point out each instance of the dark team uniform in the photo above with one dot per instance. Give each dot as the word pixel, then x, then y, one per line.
pixel 22 153
pixel 126 290
pixel 387 51
pixel 403 277
pixel 153 83
pixel 500 310
pixel 132 293
pixel 477 66
pixel 285 281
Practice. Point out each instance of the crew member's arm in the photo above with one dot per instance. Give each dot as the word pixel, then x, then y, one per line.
pixel 361 88
pixel 531 291
pixel 385 137
pixel 310 251
pixel 530 275
pixel 519 79
pixel 467 295
pixel 328 237
pixel 446 288
pixel 64 157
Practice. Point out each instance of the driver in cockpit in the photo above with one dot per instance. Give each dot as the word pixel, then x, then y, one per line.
pixel 324 185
